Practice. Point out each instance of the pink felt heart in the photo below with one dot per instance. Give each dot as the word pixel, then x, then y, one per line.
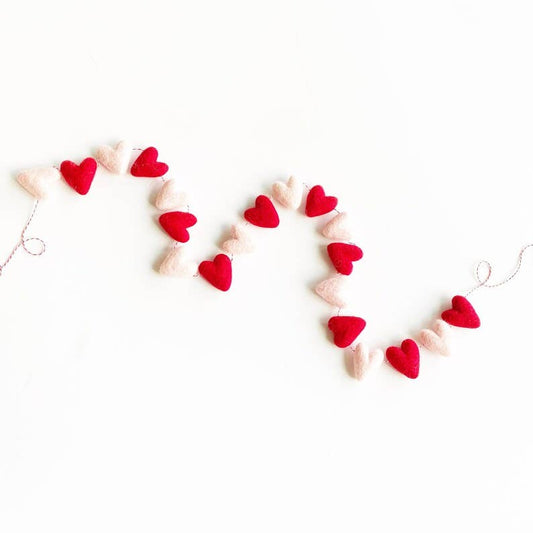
pixel 337 228
pixel 435 339
pixel 176 264
pixel 240 241
pixel 115 159
pixel 37 181
pixel 288 194
pixel 169 197
pixel 331 290
pixel 365 361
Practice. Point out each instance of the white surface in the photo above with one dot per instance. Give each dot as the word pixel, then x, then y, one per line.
pixel 133 402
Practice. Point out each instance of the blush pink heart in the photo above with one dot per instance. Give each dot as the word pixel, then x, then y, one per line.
pixel 436 339
pixel 37 181
pixel 169 197
pixel 365 361
pixel 240 241
pixel 176 264
pixel 288 194
pixel 332 291
pixel 337 228
pixel 115 159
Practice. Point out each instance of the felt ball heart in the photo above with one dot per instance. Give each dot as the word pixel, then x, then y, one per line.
pixel 345 329
pixel 217 272
pixel 115 159
pixel 462 314
pixel 147 165
pixel 318 203
pixel 337 228
pixel 264 213
pixel 288 194
pixel 342 255
pixel 405 359
pixel 331 290
pixel 240 241
pixel 435 340
pixel 37 181
pixel 176 223
pixel 365 361
pixel 79 177
pixel 169 197
pixel 176 264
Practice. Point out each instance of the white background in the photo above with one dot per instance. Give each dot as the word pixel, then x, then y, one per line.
pixel 134 402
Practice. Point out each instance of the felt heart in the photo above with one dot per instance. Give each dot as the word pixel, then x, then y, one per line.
pixel 176 223
pixel 217 272
pixel 342 254
pixel 288 194
pixel 318 203
pixel 175 264
pixel 337 228
pixel 331 290
pixel 405 359
pixel 147 165
pixel 116 159
pixel 264 213
pixel 365 361
pixel 37 181
pixel 462 314
pixel 435 340
pixel 240 241
pixel 345 329
pixel 79 177
pixel 169 197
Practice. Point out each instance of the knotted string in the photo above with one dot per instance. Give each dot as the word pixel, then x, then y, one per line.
pixel 24 241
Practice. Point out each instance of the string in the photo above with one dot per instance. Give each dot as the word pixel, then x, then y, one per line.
pixel 483 282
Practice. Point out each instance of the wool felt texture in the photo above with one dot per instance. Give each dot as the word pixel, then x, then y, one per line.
pixel 115 159
pixel 462 314
pixel 176 223
pixel 147 165
pixel 337 229
pixel 342 255
pixel 169 197
pixel 345 329
pixel 288 194
pixel 331 290
pixel 318 203
pixel 37 181
pixel 405 359
pixel 239 242
pixel 176 264
pixel 365 361
pixel 79 177
pixel 217 272
pixel 435 340
pixel 264 213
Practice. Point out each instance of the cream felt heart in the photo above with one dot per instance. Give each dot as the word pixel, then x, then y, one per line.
pixel 365 361
pixel 176 264
pixel 116 159
pixel 240 241
pixel 337 229
pixel 37 181
pixel 331 290
pixel 436 340
pixel 169 197
pixel 288 194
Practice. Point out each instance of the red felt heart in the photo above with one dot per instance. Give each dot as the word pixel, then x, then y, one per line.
pixel 318 203
pixel 345 329
pixel 217 272
pixel 79 177
pixel 342 254
pixel 264 213
pixel 462 314
pixel 147 165
pixel 405 359
pixel 176 223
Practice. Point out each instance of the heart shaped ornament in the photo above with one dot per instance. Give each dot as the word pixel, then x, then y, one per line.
pixel 79 177
pixel 342 256
pixel 169 197
pixel 240 241
pixel 365 361
pixel 217 272
pixel 115 159
pixel 436 339
pixel 288 194
pixel 263 214
pixel 461 314
pixel 405 358
pixel 176 264
pixel 175 223
pixel 318 203
pixel 147 166
pixel 37 181
pixel 337 229
pixel 332 291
